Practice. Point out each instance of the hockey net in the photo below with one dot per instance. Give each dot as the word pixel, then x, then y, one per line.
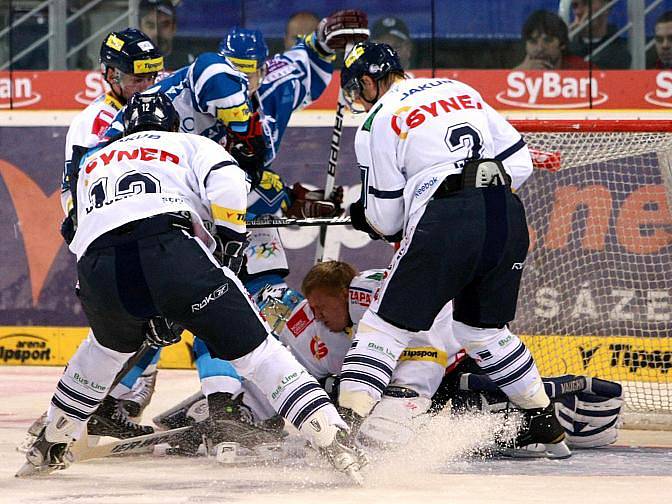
pixel 596 295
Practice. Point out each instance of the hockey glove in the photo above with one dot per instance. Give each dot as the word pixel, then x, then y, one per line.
pixel 312 203
pixel 161 332
pixel 249 149
pixel 69 226
pixel 336 30
pixel 359 222
pixel 230 249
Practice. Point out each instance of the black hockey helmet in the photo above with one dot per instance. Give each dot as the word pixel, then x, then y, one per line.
pixel 132 52
pixel 376 60
pixel 152 111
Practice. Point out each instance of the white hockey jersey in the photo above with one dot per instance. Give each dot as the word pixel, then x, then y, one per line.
pixel 86 130
pixel 154 172
pixel 421 131
pixel 321 351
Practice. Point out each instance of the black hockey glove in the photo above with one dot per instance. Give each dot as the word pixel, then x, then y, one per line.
pixel 359 222
pixel 230 249
pixel 161 332
pixel 69 226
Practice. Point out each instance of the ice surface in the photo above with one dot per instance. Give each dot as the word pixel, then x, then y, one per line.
pixel 433 469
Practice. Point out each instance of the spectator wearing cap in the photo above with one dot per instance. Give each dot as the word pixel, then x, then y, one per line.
pixel 663 41
pixel 393 31
pixel 298 24
pixel 159 21
pixel 547 44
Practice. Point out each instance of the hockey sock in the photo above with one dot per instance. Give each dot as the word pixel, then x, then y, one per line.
pixel 291 390
pixel 507 361
pixel 368 365
pixel 85 381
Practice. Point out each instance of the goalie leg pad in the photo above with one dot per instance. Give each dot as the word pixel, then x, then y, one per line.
pixel 589 420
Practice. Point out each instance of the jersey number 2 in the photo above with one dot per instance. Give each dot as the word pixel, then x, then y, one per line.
pixel 465 136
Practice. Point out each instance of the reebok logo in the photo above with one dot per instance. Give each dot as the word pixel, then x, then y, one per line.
pixel 517 266
pixel 218 292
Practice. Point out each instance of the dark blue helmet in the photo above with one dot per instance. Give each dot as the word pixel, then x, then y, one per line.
pixel 246 49
pixel 132 52
pixel 367 58
pixel 150 112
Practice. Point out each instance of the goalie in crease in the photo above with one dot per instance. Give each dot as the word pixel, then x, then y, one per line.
pixel 432 371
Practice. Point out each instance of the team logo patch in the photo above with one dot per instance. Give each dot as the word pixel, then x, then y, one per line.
pixel 360 297
pixel 114 42
pixel 148 65
pixel 298 323
pixel 318 348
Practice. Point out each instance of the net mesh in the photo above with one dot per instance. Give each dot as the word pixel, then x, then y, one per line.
pixel 596 292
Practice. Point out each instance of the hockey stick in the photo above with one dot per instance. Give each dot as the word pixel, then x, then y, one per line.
pixel 80 451
pixel 273 222
pixel 334 149
pixel 557 386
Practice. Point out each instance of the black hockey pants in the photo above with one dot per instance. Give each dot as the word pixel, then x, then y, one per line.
pixel 469 246
pixel 150 267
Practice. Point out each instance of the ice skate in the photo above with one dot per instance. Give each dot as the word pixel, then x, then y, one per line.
pixel 136 400
pixel 110 419
pixel 33 431
pixel 193 409
pixel 540 436
pixel 50 451
pixel 230 421
pixel 345 456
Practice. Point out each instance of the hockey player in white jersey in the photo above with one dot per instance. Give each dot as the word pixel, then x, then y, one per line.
pixel 143 252
pixel 129 63
pixel 438 165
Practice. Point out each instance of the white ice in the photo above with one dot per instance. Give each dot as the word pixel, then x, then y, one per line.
pixel 432 469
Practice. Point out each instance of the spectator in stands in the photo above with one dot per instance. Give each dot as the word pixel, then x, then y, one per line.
pixel 159 21
pixel 616 54
pixel 393 31
pixel 547 44
pixel 663 41
pixel 298 24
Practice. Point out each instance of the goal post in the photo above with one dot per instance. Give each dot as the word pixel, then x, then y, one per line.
pixel 596 294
